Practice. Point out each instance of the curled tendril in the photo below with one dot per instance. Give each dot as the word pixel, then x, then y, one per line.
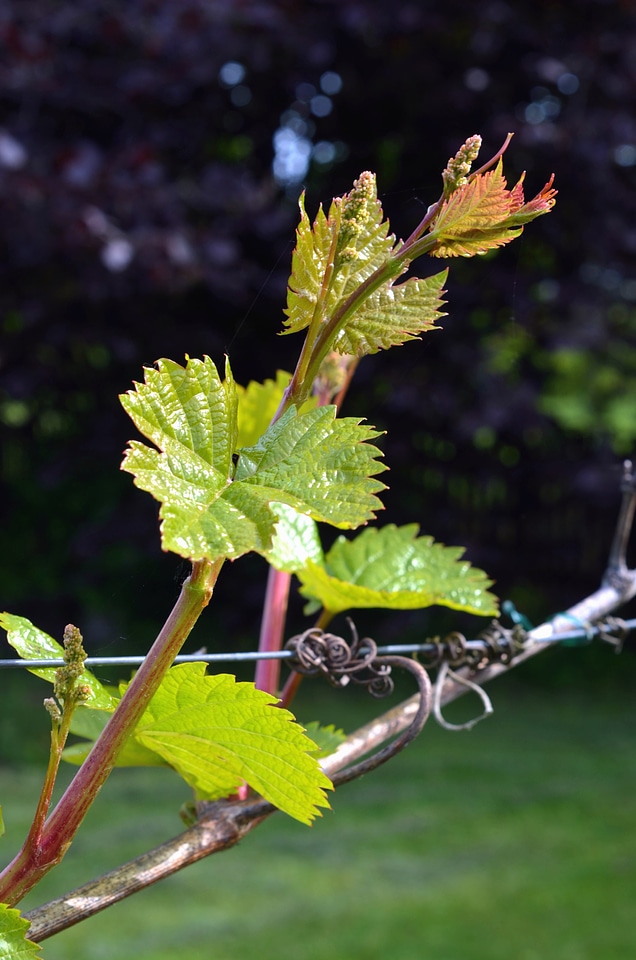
pixel 316 652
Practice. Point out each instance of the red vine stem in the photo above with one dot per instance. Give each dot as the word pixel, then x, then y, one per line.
pixel 272 628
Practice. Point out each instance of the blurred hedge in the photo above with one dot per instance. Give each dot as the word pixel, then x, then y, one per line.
pixel 140 217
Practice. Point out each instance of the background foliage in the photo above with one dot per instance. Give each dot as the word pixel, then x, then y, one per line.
pixel 151 154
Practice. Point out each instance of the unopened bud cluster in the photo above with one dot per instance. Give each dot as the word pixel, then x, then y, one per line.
pixel 66 677
pixel 456 172
pixel 354 213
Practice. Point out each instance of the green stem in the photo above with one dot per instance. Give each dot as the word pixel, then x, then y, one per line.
pixel 35 860
pixel 302 381
pixel 390 269
pixel 419 247
pixel 58 739
pixel 319 311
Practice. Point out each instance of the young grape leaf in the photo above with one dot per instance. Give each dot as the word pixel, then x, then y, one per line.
pixel 471 221
pixel 309 264
pixel 483 214
pixel 393 567
pixel 217 733
pixel 188 410
pixel 34 644
pixel 295 542
pixel 392 315
pixel 522 213
pixel 14 944
pixel 212 508
pixel 323 466
pixel 352 242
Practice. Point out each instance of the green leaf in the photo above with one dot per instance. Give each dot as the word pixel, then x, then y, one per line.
pixel 352 242
pixel 34 644
pixel 14 944
pixel 323 466
pixel 327 739
pixel 2 828
pixel 309 263
pixel 89 724
pixel 217 733
pixel 394 568
pixel 257 405
pixel 211 508
pixel 295 542
pixel 188 410
pixel 392 315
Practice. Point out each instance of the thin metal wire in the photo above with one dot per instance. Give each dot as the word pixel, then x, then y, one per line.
pixel 429 647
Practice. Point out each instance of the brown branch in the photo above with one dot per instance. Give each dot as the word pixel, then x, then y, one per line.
pixel 220 826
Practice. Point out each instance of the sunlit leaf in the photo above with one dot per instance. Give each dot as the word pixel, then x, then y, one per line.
pixel 393 567
pixel 483 214
pixel 213 508
pixel 323 466
pixel 351 242
pixel 474 218
pixel 188 412
pixel 257 405
pixel 14 944
pixel 296 540
pixel 34 644
pixel 217 733
pixel 392 315
pixel 309 263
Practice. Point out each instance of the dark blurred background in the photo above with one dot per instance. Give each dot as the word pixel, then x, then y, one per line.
pixel 151 156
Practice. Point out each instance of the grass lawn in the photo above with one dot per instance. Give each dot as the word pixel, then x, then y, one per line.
pixel 516 841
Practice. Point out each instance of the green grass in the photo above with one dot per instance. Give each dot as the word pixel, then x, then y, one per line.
pixel 513 842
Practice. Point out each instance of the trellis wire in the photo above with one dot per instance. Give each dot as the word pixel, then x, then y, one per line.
pixel 584 634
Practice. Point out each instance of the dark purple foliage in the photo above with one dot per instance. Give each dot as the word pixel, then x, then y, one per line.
pixel 141 216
